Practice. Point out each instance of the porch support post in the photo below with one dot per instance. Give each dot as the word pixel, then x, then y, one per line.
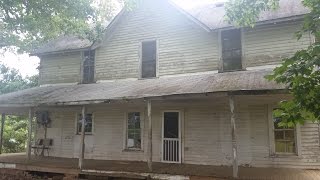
pixel 3 117
pixel 81 154
pixel 149 152
pixel 233 136
pixel 29 133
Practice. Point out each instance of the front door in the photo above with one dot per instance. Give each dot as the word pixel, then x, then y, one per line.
pixel 171 138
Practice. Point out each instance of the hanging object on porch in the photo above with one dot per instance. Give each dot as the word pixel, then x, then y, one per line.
pixel 43 118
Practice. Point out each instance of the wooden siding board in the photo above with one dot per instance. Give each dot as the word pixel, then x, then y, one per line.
pixel 207 134
pixel 63 68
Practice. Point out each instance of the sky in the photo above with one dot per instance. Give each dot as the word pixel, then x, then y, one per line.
pixel 27 65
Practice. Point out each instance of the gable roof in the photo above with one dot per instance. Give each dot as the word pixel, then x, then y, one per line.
pixel 138 89
pixel 212 15
pixel 209 17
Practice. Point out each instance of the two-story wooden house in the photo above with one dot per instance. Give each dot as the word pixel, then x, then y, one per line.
pixel 184 93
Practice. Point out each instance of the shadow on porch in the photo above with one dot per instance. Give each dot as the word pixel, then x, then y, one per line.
pixel 140 169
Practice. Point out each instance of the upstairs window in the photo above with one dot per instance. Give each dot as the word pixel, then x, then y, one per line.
pixel 284 138
pixel 88 67
pixel 149 59
pixel 231 50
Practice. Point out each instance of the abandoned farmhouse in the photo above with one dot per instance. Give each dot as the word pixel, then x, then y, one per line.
pixel 167 91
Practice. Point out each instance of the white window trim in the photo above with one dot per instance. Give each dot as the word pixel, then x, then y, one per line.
pixel 157 58
pixel 271 128
pixel 125 130
pixel 76 124
pixel 181 134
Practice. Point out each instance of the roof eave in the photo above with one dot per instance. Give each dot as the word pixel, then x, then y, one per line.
pixel 60 52
pixel 271 21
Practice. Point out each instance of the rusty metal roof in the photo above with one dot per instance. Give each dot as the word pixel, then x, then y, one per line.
pixel 137 89
pixel 213 16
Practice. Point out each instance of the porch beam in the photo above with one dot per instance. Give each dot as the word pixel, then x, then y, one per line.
pixel 81 154
pixel 234 137
pixel 3 117
pixel 29 133
pixel 149 152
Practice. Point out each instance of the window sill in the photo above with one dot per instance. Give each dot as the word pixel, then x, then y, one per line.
pixel 226 71
pixel 90 134
pixel 148 78
pixel 285 155
pixel 132 150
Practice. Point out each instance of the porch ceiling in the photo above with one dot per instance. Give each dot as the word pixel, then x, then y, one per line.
pixel 137 89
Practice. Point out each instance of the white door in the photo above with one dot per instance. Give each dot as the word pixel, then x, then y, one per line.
pixel 171 137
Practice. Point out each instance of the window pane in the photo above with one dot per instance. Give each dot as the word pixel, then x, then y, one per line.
pixel 148 60
pixel 279 135
pixel 171 125
pixel 88 67
pixel 88 123
pixel 280 146
pixel 133 130
pixel 289 135
pixel 231 49
pixel 284 138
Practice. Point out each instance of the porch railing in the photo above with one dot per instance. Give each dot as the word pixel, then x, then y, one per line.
pixel 171 150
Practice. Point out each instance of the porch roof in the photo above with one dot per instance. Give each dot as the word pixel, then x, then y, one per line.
pixel 53 95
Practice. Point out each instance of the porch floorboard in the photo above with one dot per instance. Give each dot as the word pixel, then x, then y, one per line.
pixel 196 172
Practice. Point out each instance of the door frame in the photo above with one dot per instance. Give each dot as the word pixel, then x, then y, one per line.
pixel 180 123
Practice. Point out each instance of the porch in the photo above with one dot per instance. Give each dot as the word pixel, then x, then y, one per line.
pixel 136 169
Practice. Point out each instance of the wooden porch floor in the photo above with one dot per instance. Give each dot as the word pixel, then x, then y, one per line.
pixel 195 172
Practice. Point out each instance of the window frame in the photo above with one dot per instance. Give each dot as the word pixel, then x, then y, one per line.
pixel 82 67
pixel 272 141
pixel 125 132
pixel 76 124
pixel 157 58
pixel 220 51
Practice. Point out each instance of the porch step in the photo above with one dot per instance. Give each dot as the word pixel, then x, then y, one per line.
pixel 133 175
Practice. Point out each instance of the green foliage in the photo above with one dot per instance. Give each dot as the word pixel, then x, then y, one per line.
pixel 246 12
pixel 15 134
pixel 11 80
pixel 30 23
pixel 300 72
pixel 15 129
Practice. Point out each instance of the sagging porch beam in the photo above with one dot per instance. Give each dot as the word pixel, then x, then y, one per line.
pixel 82 145
pixel 149 152
pixel 29 133
pixel 234 138
pixel 3 117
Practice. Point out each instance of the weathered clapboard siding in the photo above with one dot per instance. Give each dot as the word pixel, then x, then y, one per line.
pixel 60 68
pixel 268 44
pixel 183 46
pixel 206 133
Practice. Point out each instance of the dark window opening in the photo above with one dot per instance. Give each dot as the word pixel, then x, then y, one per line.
pixel 149 59
pixel 231 50
pixel 88 124
pixel 88 67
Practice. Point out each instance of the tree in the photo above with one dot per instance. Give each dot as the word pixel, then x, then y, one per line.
pixel 300 72
pixel 15 130
pixel 29 23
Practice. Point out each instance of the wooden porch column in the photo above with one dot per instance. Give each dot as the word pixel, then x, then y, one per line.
pixel 81 154
pixel 3 117
pixel 149 152
pixel 233 136
pixel 29 133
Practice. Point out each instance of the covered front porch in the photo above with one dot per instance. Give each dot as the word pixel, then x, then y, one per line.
pixel 139 170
